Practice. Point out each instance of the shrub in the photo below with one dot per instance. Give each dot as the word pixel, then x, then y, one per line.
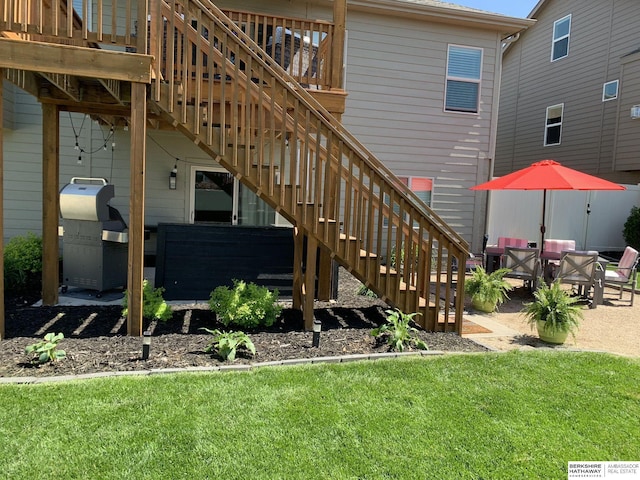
pixel 366 292
pixel 631 229
pixel 154 307
pixel 23 264
pixel 398 332
pixel 246 305
pixel 46 350
pixel 225 344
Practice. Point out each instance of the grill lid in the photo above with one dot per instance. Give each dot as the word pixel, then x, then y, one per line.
pixel 86 199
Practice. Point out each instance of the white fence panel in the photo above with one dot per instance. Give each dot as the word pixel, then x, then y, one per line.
pixel 594 219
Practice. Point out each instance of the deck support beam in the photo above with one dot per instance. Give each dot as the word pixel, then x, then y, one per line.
pixel 309 282
pixel 1 208
pixel 136 208
pixel 50 203
pixel 298 246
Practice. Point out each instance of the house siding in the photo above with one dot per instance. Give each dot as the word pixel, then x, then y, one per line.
pixel 601 33
pixel 395 78
pixel 627 142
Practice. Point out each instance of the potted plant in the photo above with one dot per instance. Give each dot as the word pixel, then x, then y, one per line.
pixel 487 290
pixel 554 313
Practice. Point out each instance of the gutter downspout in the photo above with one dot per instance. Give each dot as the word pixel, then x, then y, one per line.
pixel 502 44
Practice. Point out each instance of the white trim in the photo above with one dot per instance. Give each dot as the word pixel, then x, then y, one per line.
pixel 192 192
pixel 604 86
pixel 546 125
pixel 554 40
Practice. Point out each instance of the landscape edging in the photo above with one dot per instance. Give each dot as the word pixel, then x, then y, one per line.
pixel 218 368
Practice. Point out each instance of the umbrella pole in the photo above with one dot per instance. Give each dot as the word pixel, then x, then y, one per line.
pixel 542 227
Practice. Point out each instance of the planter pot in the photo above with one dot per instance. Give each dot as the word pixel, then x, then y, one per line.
pixel 557 338
pixel 486 307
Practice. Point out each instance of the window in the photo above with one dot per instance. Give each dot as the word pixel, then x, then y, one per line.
pixel 610 91
pixel 553 127
pixel 561 33
pixel 421 186
pixel 464 65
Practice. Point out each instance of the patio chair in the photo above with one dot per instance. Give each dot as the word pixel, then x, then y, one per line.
pixel 624 273
pixel 524 264
pixel 494 253
pixel 551 255
pixel 579 269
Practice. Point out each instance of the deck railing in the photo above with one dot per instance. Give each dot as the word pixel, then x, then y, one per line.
pixel 302 47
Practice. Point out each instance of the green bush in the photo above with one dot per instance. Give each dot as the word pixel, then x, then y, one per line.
pixel 366 292
pixel 154 307
pixel 23 264
pixel 631 229
pixel 247 305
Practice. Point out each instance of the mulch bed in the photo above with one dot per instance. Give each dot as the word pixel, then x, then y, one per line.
pixel 96 341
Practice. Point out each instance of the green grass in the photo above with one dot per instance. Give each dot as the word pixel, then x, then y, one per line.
pixel 491 416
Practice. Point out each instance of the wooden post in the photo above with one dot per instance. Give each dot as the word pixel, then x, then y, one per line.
pixel 1 208
pixel 337 55
pixel 310 282
pixel 325 275
pixel 142 27
pixel 50 203
pixel 298 245
pixel 136 208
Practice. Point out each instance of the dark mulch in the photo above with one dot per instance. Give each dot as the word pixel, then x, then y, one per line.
pixel 96 341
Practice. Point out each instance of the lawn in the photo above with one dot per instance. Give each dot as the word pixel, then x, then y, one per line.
pixel 498 416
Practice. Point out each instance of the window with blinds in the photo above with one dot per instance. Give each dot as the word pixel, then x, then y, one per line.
pixel 464 67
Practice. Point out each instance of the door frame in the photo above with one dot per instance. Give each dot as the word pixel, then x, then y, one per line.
pixel 192 192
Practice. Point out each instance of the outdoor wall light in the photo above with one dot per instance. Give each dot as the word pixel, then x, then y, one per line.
pixel 146 344
pixel 173 178
pixel 317 328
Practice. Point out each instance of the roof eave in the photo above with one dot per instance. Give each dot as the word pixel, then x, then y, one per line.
pixel 486 20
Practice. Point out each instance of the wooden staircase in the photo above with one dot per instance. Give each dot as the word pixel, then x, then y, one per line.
pixel 281 143
pixel 214 83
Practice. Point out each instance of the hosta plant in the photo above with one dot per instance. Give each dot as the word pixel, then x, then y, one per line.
pixel 46 350
pixel 398 333
pixel 226 344
pixel 246 305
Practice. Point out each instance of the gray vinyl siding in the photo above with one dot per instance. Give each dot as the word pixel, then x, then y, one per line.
pixel 395 78
pixel 627 144
pixel 601 33
pixel 23 166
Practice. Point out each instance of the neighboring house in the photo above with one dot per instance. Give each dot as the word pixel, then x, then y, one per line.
pixel 420 80
pixel 571 90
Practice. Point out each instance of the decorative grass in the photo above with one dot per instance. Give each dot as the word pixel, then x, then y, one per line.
pixel 499 416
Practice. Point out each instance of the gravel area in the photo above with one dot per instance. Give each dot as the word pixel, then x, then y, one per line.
pixel 612 327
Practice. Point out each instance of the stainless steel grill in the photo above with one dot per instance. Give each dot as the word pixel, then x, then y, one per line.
pixel 94 252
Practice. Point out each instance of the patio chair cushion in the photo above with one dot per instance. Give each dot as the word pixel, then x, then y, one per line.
pixel 626 263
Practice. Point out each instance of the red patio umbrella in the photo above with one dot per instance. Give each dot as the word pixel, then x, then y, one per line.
pixel 547 175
